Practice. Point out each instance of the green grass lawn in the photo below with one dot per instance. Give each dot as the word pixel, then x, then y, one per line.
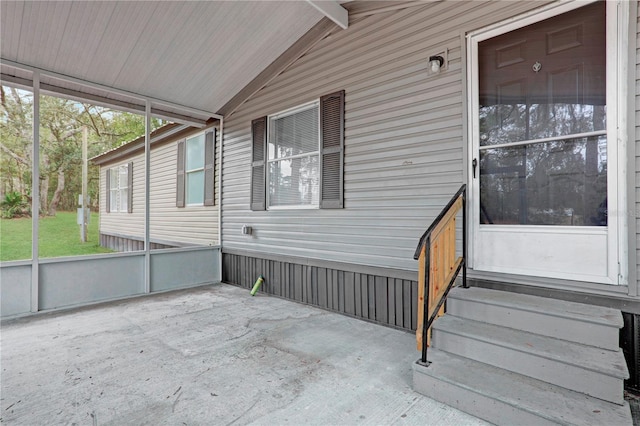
pixel 59 236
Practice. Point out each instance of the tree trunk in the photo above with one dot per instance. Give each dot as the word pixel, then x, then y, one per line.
pixel 44 193
pixel 56 195
pixel 44 185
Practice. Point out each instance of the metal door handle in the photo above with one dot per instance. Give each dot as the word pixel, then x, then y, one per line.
pixel 474 163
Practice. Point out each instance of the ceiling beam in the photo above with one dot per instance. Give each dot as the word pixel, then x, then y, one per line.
pixel 332 10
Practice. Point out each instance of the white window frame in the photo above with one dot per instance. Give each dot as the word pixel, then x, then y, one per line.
pixel 270 119
pixel 618 62
pixel 188 171
pixel 118 190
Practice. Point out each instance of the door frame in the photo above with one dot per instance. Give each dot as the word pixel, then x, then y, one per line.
pixel 617 42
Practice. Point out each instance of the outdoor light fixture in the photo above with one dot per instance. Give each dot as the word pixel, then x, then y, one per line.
pixel 435 63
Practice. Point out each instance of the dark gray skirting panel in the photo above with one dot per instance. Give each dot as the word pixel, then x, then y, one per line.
pixel 126 244
pixel 630 342
pixel 384 300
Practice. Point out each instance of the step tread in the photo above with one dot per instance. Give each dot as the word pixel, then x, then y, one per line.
pixel 600 360
pixel 560 308
pixel 548 401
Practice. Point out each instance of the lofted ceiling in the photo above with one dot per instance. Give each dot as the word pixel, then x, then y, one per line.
pixel 192 54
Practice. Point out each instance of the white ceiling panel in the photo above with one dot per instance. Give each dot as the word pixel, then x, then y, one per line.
pixel 127 24
pixel 194 54
pixel 10 28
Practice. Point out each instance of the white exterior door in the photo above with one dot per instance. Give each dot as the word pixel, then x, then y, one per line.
pixel 545 167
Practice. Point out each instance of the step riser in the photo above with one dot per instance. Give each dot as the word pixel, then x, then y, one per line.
pixel 536 322
pixel 473 403
pixel 486 408
pixel 551 371
pixel 500 399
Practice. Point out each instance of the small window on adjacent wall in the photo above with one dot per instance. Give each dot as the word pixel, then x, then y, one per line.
pixel 119 188
pixel 195 174
pixel 194 170
pixel 298 157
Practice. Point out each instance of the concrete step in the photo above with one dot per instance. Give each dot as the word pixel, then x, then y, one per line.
pixel 594 371
pixel 506 398
pixel 575 322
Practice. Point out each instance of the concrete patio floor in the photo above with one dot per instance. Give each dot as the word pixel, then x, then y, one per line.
pixel 210 355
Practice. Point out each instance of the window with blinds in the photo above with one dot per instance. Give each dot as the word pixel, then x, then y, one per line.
pixel 297 157
pixel 293 157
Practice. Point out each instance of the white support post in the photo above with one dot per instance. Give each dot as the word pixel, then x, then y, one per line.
pixel 35 194
pixel 147 187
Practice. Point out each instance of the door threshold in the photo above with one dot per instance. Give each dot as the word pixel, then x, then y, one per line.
pixel 591 294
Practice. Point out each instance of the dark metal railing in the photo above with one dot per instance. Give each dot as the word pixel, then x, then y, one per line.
pixel 438 267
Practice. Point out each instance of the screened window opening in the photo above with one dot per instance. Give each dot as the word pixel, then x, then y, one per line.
pixel 293 157
pixel 119 188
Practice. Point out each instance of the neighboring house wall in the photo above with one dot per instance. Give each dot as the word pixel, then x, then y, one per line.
pixel 189 224
pixel 169 225
pixel 405 136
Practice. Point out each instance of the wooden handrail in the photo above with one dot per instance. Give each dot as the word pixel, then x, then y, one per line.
pixel 438 266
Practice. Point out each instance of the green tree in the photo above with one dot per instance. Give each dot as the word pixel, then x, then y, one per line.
pixel 61 124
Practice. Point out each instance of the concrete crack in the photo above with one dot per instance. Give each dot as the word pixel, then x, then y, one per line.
pixel 245 412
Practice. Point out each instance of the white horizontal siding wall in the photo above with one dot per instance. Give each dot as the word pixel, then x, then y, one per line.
pixel 404 133
pixel 186 225
pixel 189 224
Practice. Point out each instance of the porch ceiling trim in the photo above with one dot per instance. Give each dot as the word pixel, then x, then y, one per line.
pixel 81 90
pixel 333 11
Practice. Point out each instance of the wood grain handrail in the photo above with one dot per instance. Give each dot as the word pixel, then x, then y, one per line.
pixel 438 266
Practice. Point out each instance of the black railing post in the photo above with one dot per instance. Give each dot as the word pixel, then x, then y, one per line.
pixel 425 242
pixel 425 314
pixel 464 238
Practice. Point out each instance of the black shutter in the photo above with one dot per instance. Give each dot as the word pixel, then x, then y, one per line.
pixel 259 143
pixel 108 192
pixel 180 175
pixel 332 151
pixel 130 188
pixel 209 168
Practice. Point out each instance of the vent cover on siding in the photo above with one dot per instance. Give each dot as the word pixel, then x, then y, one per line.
pixel 332 150
pixel 258 142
